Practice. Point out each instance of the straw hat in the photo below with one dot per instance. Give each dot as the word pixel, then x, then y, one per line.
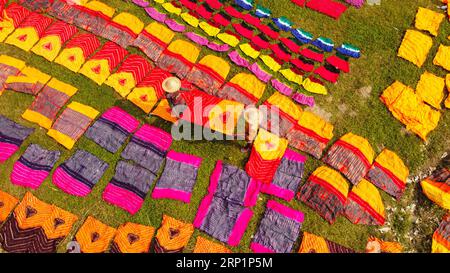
pixel 171 85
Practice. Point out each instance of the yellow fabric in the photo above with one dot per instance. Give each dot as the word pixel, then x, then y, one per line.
pixel 410 110
pixel 250 83
pixel 392 162
pixel 228 39
pixel 204 245
pixel 430 89
pixel 415 47
pixel 429 20
pixel 144 98
pixel 29 75
pixel 270 146
pixel 103 232
pixel 159 1
pixel 188 50
pixel 190 19
pixel 270 62
pixel 9 203
pixel 130 21
pixel 41 47
pixel 160 31
pixel 83 109
pixel 164 111
pixel 436 247
pixel 61 138
pixel 26 44
pixel 179 242
pixel 67 89
pixel 209 29
pixel 249 50
pixel 144 235
pixel 439 193
pixel 334 178
pixel 67 54
pixel 314 87
pixel 292 76
pixel 122 82
pixel 216 115
pixel 91 66
pixel 361 144
pixel 219 65
pixel 286 105
pixel 447 102
pixel 37 118
pixel 313 244
pixel 6 27
pixel 316 124
pixel 169 7
pixel 447 84
pixel 11 61
pixel 369 193
pixel 443 57
pixel 101 7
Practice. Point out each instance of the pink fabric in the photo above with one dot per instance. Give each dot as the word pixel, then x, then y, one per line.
pixel 122 198
pixel 238 60
pixel 6 151
pixel 240 227
pixel 294 156
pixel 174 25
pixel 69 184
pixel 121 117
pixel 171 194
pixel 185 158
pixel 257 248
pixel 26 177
pixel 215 177
pixel 252 193
pixel 295 215
pixel 304 99
pixel 218 48
pixel 282 88
pixel 155 14
pixel 259 73
pixel 156 136
pixel 203 210
pixel 277 191
pixel 198 39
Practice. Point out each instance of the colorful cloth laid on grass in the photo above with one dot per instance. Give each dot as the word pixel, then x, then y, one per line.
pixel 266 156
pixel 349 50
pixel 238 59
pixel 364 205
pixel 325 192
pixel 179 58
pixel 415 47
pixel 49 102
pixel 178 178
pixel 304 64
pixel 328 73
pixel 94 236
pixel 352 155
pixel 77 51
pixel 229 37
pixel 272 62
pixel 12 135
pixel 164 111
pixel 192 18
pixel 437 187
pixel 129 187
pixel 441 59
pixel 99 67
pixel 112 129
pixel 314 85
pixel 156 14
pixel 28 33
pixel 209 74
pixel 340 62
pixel 315 244
pixel 65 10
pixel 282 87
pixel 72 124
pixel 441 237
pixel 7 205
pixel 283 23
pixel 35 227
pixel 406 106
pixel 375 245
pixel 175 25
pixel 123 29
pixel 34 166
pixel 429 20
pixel 288 177
pixel 53 40
pixel 37 5
pixel 430 89
pixel 13 15
pixel 304 99
pixel 326 44
pixel 204 245
pixel 210 28
pixel 173 235
pixel 389 173
pixel 148 148
pixel 244 88
pixel 9 66
pixel 29 81
pixel 153 40
pixel 132 238
pixel 278 229
pixel 331 8
pixel 94 17
pixel 80 173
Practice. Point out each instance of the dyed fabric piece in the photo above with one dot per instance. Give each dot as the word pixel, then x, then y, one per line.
pixel 415 47
pixel 9 66
pixel 245 4
pixel 230 38
pixel 260 72
pixel 278 229
pixel 356 3
pixel 174 25
pixel 222 19
pixel 112 129
pixel 244 88
pixel 281 52
pixel 198 39
pixel 430 89
pixel 130 73
pixel 311 135
pixel 272 62
pixel 261 40
pixel 352 155
pixel 302 36
pixel 79 174
pixel 340 62
pixel 99 67
pixel 429 20
pixel 172 236
pixel 326 44
pixel 13 15
pixel 8 203
pixel 205 11
pixel 94 236
pixel 282 87
pixel 209 74
pixel 123 29
pixel 29 32
pixel 441 237
pixel 35 227
pixel 244 30
pixel 389 173
pixel 204 245
pixel 12 135
pixel 155 14
pixel 262 12
pixel 303 99
pixel 406 106
pixel 129 187
pixel 325 192
pixel 179 177
pixel 218 47
pixel 34 166
pixel 53 40
pixel 441 59
pixel 77 51
pixel 238 60
pixel 65 11
pixel 283 23
pixel 190 4
pixel 437 187
pixel 315 244
pixel 288 177
pixel 132 238
pixel 178 58
pixel 29 81
pixel 349 50
pixel 49 102
pixel 191 18
pixel 72 124
pixel 210 28
pixel 331 8
pixel 172 7
pixel 153 40
pixel 375 245
pixel 93 16
pixel 141 3
pixel 232 11
pixel 148 148
pixel 250 50
pixel 313 54
pixel 292 44
pixel 328 73
pixel 314 85
pixel 164 111
pixel 303 64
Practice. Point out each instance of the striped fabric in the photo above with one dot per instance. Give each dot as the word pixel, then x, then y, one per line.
pixel 153 40
pixel 37 5
pixel 123 29
pixel 9 66
pixel 65 11
pixel 244 88
pixel 315 244
pixel 132 238
pixel 172 236
pixel 441 237
pixel 7 205
pixel 94 16
pixel 12 135
pixel 33 166
pixel 94 236
pixel 437 187
pixel 29 81
pixel 77 51
pixel 209 74
pixel 179 58
pixel 13 15
pixel 204 245
pixel 35 227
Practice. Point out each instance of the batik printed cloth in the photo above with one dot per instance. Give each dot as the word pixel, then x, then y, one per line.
pixel 12 135
pixel 79 174
pixel 34 166
pixel 437 187
pixel 65 11
pixel 204 245
pixel 172 236
pixel 316 244
pixel 37 5
pixel 77 51
pixel 35 227
pixel 49 102
pixel 132 238
pixel 129 187
pixel 7 205
pixel 441 237
pixel 9 66
pixel 148 148
pixel 72 124
pixel 278 229
pixel 178 58
pixel 94 236
pixel 13 15
pixel 209 74
pixel 153 40
pixel 29 81
pixel 123 29
pixel 178 178
pixel 93 16
pixel 244 88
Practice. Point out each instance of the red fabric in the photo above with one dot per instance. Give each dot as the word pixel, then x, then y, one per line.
pixel 269 31
pixel 303 65
pixel 136 65
pixel 87 42
pixel 326 74
pixel 2 7
pixel 197 101
pixel 155 79
pixel 221 20
pixel 339 63
pixel 252 20
pixel 310 54
pixel 233 12
pixel 204 12
pixel 257 40
pixel 192 5
pixel 38 22
pixel 63 30
pixel 293 46
pixel 111 52
pixel 300 3
pixel 281 53
pixel 260 169
pixel 17 13
pixel 245 32
pixel 328 7
pixel 215 4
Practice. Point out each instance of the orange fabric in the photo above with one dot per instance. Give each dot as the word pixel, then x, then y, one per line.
pixel 313 244
pixel 7 204
pixel 384 247
pixel 204 245
pixel 174 235
pixel 94 236
pixel 134 238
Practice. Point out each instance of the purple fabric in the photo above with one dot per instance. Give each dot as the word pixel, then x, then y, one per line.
pixel 282 88
pixel 156 15
pixel 174 25
pixel 259 73
pixel 304 99
pixel 356 3
pixel 238 60
pixel 141 3
pixel 217 47
pixel 197 38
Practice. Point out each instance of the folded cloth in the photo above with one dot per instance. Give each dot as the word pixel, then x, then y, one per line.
pixel 326 44
pixel 12 135
pixel 218 47
pixel 174 25
pixel 129 187
pixel 12 16
pixel 77 51
pixel 190 4
pixel 252 20
pixel 209 73
pixel 313 54
pixel 352 51
pixel 314 85
pixel 172 7
pixel 9 66
pixel 282 87
pixel 179 58
pixel 429 20
pixel 328 73
pixel 261 40
pixel 173 235
pixel 28 81
pixel 436 187
pixel 430 89
pixel 65 11
pixel 33 166
pixel 339 61
pixel 303 64
pixel 132 238
pixel 441 57
pixel 191 18
pixel 93 16
pixel 156 14
pixel 8 203
pixel 283 23
pixel 244 88
pixel 153 40
pixel 233 12
pixel 356 3
pixel 210 28
pixel 260 72
pixel 141 3
pixel 441 237
pixel 302 36
pixel 222 18
pixel 292 44
pixel 196 38
pixel 203 245
pixel 237 59
pixel 245 4
pixel 293 75
pixel 331 8
pixel 244 29
pixel 272 62
pixel 315 244
pixel 229 37
pixel 94 236
pixel 262 12
pixel 178 178
pixel 304 99
pixel 205 11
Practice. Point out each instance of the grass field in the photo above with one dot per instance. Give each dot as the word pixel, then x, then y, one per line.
pixel 353 105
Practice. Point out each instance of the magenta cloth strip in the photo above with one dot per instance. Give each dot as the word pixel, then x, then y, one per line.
pixel 277 191
pixel 141 3
pixel 174 25
pixel 6 151
pixel 259 73
pixel 238 60
pixel 203 210
pixel 185 158
pixel 257 248
pixel 217 47
pixel 122 198
pixel 294 156
pixel 26 177
pixel 215 177
pixel 122 118
pixel 251 196
pixel 156 136
pixel 69 184
pixel 240 227
pixel 282 88
pixel 155 14
pixel 304 99
pixel 159 193
pixel 198 39
pixel 295 215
